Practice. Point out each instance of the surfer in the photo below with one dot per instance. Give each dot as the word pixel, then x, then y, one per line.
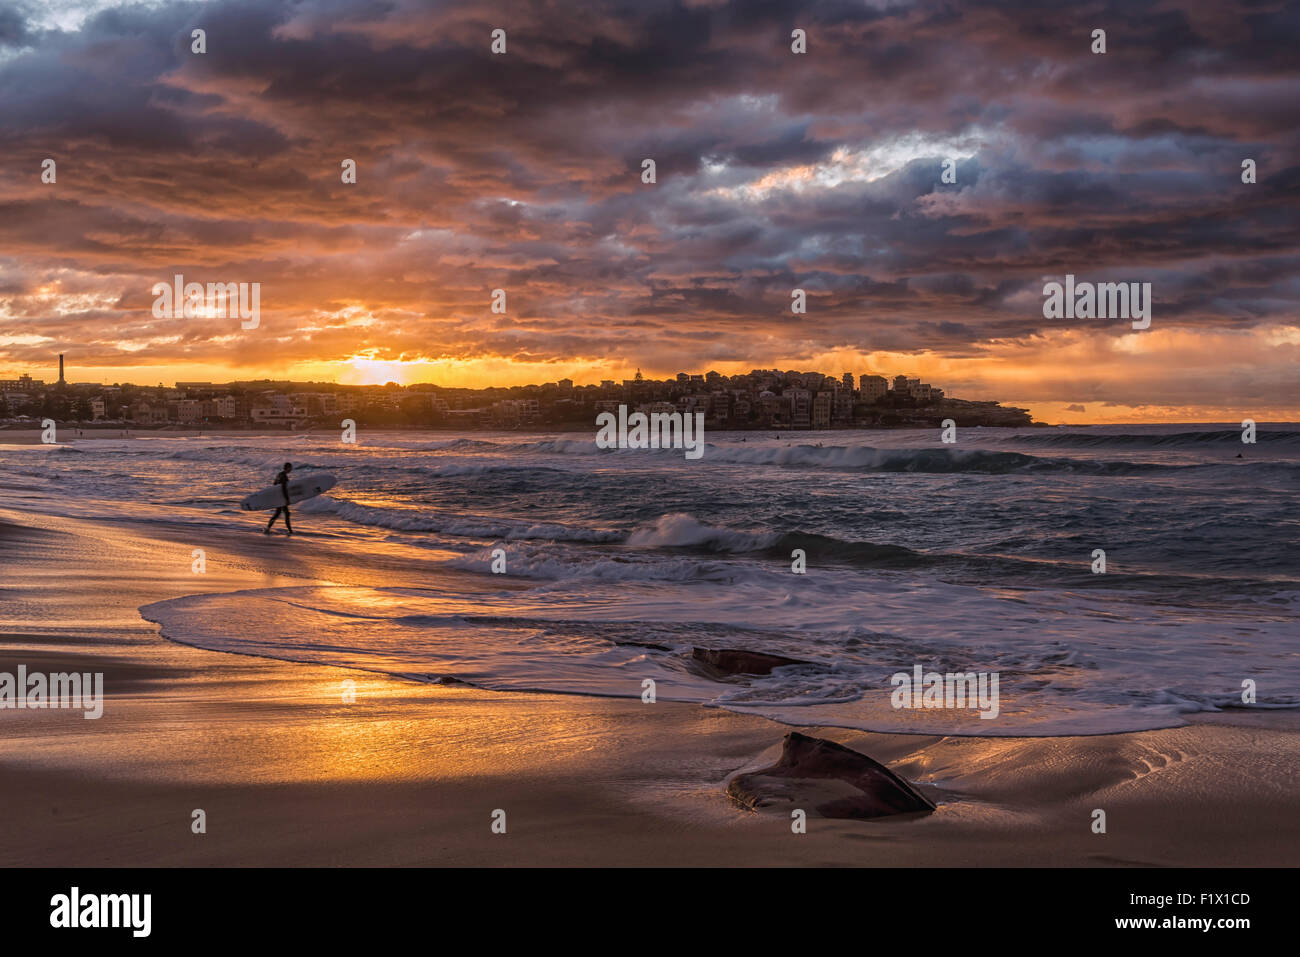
pixel 282 480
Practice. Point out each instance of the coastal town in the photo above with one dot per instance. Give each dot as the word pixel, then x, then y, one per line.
pixel 761 399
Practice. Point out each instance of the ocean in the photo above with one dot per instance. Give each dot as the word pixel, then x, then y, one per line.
pixel 977 557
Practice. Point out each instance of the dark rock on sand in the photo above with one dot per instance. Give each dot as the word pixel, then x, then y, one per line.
pixel 733 662
pixel 829 779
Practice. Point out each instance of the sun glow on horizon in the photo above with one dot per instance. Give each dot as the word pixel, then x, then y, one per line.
pixel 1061 376
pixel 363 370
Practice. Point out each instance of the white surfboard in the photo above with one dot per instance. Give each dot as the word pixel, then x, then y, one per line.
pixel 300 489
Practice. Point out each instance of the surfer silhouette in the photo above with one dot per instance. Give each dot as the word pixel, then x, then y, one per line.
pixel 282 480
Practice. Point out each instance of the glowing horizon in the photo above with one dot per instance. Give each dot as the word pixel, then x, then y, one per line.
pixel 500 374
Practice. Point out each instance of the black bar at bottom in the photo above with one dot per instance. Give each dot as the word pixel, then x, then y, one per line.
pixel 639 907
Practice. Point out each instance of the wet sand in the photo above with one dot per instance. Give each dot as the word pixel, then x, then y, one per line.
pixel 290 773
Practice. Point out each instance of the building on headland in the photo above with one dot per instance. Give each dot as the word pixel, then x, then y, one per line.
pixel 24 383
pixel 148 413
pixel 872 387
pixel 775 410
pixel 515 413
pixel 842 408
pixel 801 409
pixel 823 403
pixel 759 399
pixel 276 408
pixel 185 411
pixel 221 407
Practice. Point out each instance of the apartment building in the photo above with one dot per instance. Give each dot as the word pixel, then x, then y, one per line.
pixel 823 403
pixel 872 387
pixel 801 401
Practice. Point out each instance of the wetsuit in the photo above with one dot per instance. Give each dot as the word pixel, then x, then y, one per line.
pixel 282 480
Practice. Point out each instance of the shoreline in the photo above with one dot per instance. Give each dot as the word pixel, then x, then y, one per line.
pixel 30 436
pixel 409 774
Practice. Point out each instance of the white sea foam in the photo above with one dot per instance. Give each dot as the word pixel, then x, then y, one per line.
pixel 603 633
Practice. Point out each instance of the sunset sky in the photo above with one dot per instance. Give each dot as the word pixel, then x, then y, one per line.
pixel 775 171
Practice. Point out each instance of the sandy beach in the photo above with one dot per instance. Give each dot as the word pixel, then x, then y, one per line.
pixel 287 773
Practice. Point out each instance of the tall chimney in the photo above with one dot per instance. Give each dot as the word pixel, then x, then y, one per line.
pixel 60 368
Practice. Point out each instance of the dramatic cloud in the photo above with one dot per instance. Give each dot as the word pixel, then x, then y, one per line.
pixel 775 171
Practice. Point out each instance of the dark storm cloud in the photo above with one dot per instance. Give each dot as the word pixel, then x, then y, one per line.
pixel 522 171
pixel 13 27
